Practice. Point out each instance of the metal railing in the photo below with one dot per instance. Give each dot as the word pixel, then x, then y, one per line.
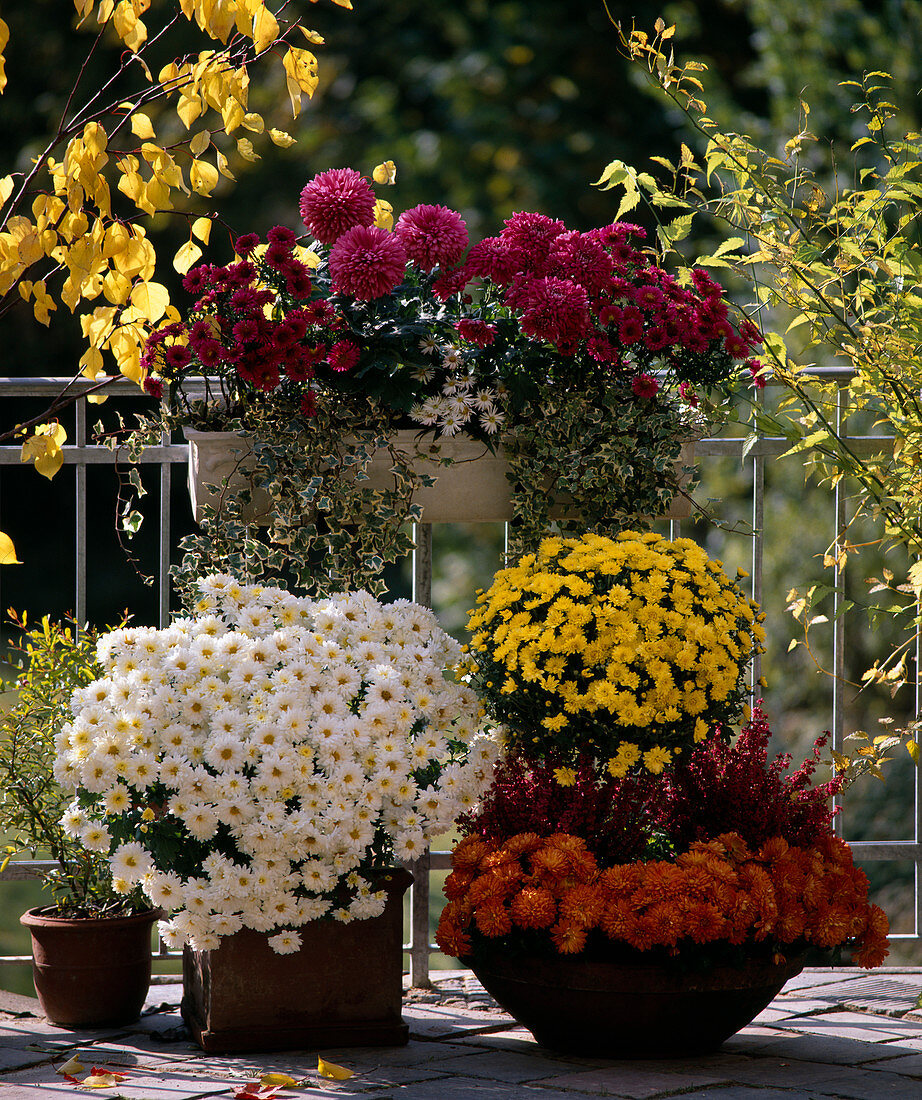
pixel 83 454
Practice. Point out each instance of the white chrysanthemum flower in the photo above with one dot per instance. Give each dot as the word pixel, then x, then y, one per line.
pixel 130 861
pixel 225 752
pixel 492 421
pixel 116 800
pixel 285 943
pixel 95 837
pixel 163 889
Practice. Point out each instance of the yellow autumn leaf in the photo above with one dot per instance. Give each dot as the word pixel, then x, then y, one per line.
pixel 151 300
pixel 6 188
pixel 281 139
pixel 301 76
pixel 8 555
pixel 201 228
pixel 313 37
pixel 141 127
pixel 102 1080
pixel 265 28
pixel 278 1080
pixel 333 1071
pixel 4 38
pixel 246 151
pixel 44 449
pixel 385 172
pixel 72 1066
pixel 203 177
pixel 384 214
pixel 186 256
pixel 200 142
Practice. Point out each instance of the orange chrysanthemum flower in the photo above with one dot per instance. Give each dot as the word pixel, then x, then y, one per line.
pixel 522 843
pixel 583 905
pixel 468 853
pixel 568 938
pixel 549 864
pixel 493 920
pixel 457 884
pixel 534 907
pixel 704 923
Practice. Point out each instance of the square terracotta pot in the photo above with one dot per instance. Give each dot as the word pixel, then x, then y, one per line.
pixel 342 988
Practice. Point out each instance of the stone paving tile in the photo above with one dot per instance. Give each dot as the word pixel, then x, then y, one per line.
pixel 908 1064
pixel 506 1065
pixel 807 1047
pixel 45 1084
pixel 855 1025
pixel 638 1084
pixel 469 1088
pixel 434 1021
pixel 742 1092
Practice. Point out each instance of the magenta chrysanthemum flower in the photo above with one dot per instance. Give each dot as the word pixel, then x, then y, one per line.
pixel 335 201
pixel 367 262
pixel 433 236
pixel 645 385
pixel 557 310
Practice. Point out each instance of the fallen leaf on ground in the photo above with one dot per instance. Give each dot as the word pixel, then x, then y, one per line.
pixel 334 1072
pixel 71 1066
pixel 102 1078
pixel 281 1080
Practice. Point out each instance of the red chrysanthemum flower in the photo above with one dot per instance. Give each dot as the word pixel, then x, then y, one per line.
pixel 476 332
pixel 367 262
pixel 335 201
pixel 343 356
pixel 433 236
pixel 645 385
pixel 557 310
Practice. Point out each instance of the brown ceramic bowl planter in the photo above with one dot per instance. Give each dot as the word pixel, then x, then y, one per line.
pixel 629 1010
pixel 90 971
pixel 342 988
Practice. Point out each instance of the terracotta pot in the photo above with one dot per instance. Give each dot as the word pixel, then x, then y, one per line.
pixel 91 971
pixel 342 988
pixel 473 489
pixel 606 1009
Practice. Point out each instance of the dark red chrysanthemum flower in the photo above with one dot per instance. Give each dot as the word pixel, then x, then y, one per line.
pixel 153 387
pixel 433 236
pixel 246 243
pixel 343 356
pixel 556 310
pixel 367 262
pixel 309 405
pixel 476 332
pixel 335 201
pixel 645 385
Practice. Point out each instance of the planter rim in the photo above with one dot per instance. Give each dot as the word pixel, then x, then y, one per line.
pixel 36 918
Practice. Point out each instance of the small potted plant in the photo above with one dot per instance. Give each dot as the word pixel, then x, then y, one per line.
pixel 260 766
pixel 637 881
pixel 572 362
pixel 92 946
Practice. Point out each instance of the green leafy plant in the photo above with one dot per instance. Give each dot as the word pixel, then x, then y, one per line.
pixel 51 659
pixel 829 244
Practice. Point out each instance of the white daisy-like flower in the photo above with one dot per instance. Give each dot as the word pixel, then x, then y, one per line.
pixel 95 837
pixel 492 421
pixel 285 943
pixel 429 345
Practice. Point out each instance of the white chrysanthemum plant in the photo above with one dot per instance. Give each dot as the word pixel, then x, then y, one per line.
pixel 250 766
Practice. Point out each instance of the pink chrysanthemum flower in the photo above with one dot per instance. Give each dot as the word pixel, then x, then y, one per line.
pixel 335 201
pixel 367 262
pixel 645 385
pixel 556 310
pixel 433 236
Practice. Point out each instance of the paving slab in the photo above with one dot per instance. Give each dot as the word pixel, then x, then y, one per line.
pixel 638 1084
pixel 855 1025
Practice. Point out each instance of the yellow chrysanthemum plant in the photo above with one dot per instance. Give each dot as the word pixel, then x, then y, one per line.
pixel 629 649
